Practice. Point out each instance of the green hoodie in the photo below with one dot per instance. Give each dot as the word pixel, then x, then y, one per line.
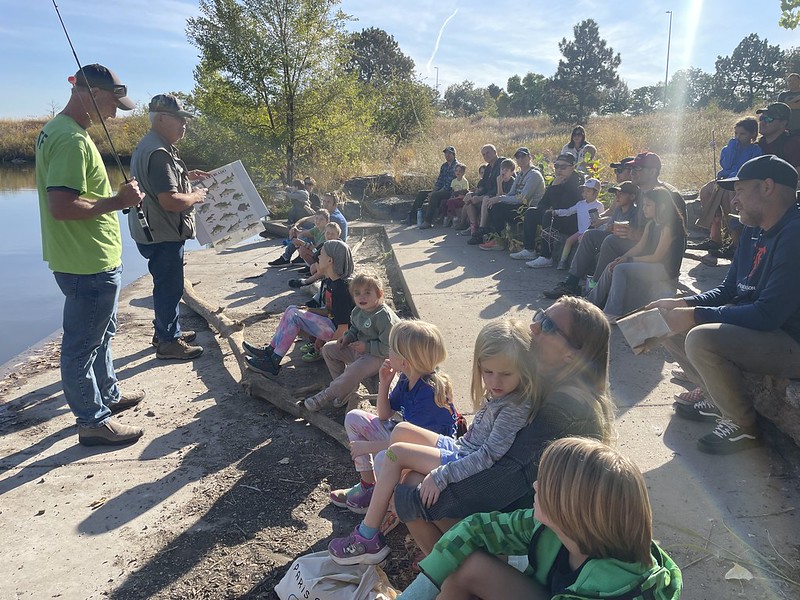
pixel 518 533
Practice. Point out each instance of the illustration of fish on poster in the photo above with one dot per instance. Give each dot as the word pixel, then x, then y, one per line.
pixel 232 210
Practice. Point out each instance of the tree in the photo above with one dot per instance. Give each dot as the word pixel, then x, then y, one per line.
pixel 376 57
pixel 525 95
pixel 790 14
pixel 617 99
pixel 494 90
pixel 751 73
pixel 791 60
pixel 403 108
pixel 645 99
pixel 583 77
pixel 466 100
pixel 271 58
pixel 690 88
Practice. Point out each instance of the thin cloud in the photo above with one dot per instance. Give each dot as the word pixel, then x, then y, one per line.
pixel 438 40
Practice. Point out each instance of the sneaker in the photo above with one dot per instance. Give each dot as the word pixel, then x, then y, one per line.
pixel 109 433
pixel 540 263
pixel 477 238
pixel 706 244
pixel 340 402
pixel 298 260
pixel 524 254
pixel 562 265
pixel 359 502
pixel 186 336
pixel 296 284
pixel 709 260
pixel 727 438
pixel 339 498
pixel 307 348
pixel 690 398
pixel 178 350
pixel 492 245
pixel 127 401
pixel 680 375
pixel 562 289
pixel 318 400
pixel 278 262
pixel 448 222
pixel 357 550
pixel 425 225
pixel 390 521
pixel 265 366
pixel 312 357
pixel 704 410
pixel 258 351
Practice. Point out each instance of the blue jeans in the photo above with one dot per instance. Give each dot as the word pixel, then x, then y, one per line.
pixel 90 321
pixel 165 263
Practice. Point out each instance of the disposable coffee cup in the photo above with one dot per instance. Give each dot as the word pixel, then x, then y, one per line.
pixel 621 227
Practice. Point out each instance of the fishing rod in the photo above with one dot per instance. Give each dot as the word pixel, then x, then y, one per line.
pixel 139 212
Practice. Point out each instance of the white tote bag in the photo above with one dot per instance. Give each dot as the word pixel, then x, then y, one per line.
pixel 316 577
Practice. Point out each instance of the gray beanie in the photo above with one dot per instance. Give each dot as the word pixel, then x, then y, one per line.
pixel 341 256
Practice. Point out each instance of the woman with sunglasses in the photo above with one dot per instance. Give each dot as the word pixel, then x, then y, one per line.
pixel 578 147
pixel 569 354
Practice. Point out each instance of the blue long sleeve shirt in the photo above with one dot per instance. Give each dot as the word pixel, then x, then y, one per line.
pixel 762 288
pixel 733 156
pixel 447 172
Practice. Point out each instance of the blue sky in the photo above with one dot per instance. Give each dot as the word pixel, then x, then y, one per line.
pixel 485 42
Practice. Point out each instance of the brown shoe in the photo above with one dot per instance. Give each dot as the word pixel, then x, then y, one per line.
pixel 127 401
pixel 186 336
pixel 178 350
pixel 110 433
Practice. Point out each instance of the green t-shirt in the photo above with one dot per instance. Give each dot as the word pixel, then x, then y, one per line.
pixel 67 157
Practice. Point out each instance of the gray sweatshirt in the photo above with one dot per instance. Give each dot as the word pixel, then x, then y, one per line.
pixel 373 329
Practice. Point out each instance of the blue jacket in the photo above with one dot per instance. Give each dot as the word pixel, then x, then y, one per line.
pixel 734 156
pixel 447 172
pixel 762 288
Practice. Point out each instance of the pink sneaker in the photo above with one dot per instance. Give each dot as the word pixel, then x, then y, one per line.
pixel 357 550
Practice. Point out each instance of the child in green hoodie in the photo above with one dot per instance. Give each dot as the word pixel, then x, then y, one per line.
pixel 589 535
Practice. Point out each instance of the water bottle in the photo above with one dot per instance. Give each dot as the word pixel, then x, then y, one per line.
pixel 420 217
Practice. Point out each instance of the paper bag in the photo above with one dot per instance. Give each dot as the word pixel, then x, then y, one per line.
pixel 643 329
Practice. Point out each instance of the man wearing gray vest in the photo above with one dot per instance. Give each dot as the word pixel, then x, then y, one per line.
pixel 169 207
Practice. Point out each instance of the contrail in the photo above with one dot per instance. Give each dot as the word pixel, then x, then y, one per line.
pixel 439 39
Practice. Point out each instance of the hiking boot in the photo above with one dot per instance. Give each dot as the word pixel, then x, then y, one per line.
pixel 265 366
pixel 540 263
pixel 257 351
pixel 339 497
pixel 358 502
pixel 178 350
pixel 704 410
pixel 728 437
pixel 279 262
pixel 524 254
pixel 358 550
pixel 706 244
pixel 690 398
pixel 318 400
pixel 186 336
pixel 109 433
pixel 127 401
pixel 562 289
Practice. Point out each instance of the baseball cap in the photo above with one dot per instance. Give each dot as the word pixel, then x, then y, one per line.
pixel 522 151
pixel 779 110
pixel 449 149
pixel 626 187
pixel 567 158
pixel 625 162
pixel 647 160
pixel 593 184
pixel 98 76
pixel 167 103
pixel 763 167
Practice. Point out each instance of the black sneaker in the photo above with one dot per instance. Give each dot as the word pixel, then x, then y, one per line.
pixel 265 366
pixel 706 244
pixel 298 260
pixel 257 351
pixel 727 438
pixel 702 410
pixel 478 237
pixel 296 284
pixel 562 289
pixel 278 262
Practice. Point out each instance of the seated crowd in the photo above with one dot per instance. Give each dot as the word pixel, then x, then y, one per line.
pixel 544 417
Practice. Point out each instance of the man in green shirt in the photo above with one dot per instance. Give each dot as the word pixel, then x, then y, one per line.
pixel 82 245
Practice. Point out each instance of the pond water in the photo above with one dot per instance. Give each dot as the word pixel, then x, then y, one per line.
pixel 30 301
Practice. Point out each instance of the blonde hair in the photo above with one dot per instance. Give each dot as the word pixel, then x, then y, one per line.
pixel 421 345
pixel 597 498
pixel 334 226
pixel 512 338
pixel 589 333
pixel 366 279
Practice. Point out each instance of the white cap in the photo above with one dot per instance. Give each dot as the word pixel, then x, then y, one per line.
pixel 593 184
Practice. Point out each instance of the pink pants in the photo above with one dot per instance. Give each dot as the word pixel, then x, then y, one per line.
pixel 362 426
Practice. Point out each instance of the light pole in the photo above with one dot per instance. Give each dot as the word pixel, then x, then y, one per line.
pixel 669 41
pixel 437 78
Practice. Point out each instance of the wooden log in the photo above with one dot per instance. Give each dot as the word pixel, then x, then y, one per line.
pixel 256 384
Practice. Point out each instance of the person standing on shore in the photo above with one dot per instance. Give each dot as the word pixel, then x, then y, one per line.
pixel 82 244
pixel 169 207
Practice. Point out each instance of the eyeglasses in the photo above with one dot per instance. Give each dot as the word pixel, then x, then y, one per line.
pixel 766 118
pixel 549 327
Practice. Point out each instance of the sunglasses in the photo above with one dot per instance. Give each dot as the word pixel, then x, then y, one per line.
pixel 120 91
pixel 549 327
pixel 766 118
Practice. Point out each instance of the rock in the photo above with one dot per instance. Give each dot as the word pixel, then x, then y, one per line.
pixel 777 400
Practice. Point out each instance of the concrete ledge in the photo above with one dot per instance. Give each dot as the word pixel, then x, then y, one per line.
pixel 777 400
